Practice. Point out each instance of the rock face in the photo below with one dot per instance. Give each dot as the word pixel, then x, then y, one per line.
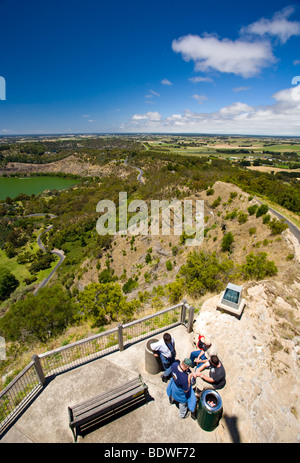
pixel 261 356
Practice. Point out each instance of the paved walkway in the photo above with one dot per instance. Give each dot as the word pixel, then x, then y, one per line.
pixel 46 420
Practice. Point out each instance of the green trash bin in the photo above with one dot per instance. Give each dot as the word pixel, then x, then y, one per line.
pixel 210 409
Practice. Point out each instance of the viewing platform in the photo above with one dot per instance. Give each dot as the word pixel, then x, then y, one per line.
pixel 46 419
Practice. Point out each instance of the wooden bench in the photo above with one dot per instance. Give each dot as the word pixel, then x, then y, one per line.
pixel 104 406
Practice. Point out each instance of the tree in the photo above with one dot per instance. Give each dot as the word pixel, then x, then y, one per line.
pixel 8 283
pixel 39 317
pixel 42 261
pixel 102 303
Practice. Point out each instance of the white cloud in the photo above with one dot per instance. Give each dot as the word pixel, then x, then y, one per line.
pixel 198 79
pixel 239 57
pixel 199 98
pixel 166 82
pixel 280 118
pixel 150 116
pixel 234 109
pixel 278 26
pixel 241 89
pixel 296 62
pixel 154 93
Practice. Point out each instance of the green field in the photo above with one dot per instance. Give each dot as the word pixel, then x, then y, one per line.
pixel 219 147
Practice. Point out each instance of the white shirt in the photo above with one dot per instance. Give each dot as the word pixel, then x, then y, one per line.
pixel 162 347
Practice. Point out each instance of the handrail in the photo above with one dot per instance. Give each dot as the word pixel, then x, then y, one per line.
pixel 76 343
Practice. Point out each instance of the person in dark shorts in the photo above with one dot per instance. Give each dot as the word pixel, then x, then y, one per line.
pixel 216 377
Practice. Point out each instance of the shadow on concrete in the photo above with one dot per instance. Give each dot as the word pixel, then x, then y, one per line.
pixel 231 422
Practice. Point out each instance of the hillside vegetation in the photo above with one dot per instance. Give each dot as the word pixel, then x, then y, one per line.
pixel 107 279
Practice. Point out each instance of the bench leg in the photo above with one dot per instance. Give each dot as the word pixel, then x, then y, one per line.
pixel 72 428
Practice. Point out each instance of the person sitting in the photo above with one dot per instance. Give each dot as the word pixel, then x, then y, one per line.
pixel 216 376
pixel 205 350
pixel 165 349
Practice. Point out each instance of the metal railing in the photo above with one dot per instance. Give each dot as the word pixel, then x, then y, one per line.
pixel 24 387
pixel 16 396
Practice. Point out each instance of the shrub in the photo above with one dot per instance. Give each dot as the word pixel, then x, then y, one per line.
pixel 205 272
pixel 130 285
pixel 262 210
pixel 258 266
pixel 169 265
pixel 252 209
pixel 266 218
pixel 277 226
pixel 242 217
pixel 176 290
pixel 216 202
pixel 231 215
pixel 210 192
pixel 227 242
pixel 252 230
pixel 174 250
pixel 106 276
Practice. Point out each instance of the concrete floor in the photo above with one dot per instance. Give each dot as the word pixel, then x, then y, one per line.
pixel 46 419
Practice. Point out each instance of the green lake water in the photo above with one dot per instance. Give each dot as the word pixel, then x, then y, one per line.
pixel 12 186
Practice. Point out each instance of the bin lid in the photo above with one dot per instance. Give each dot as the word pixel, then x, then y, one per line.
pixel 210 395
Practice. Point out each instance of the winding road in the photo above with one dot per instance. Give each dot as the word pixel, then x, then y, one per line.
pixel 57 252
pixel 141 172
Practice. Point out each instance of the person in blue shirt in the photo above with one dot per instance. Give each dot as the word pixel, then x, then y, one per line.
pixel 180 389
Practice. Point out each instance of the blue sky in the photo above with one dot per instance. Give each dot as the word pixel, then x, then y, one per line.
pixel 162 66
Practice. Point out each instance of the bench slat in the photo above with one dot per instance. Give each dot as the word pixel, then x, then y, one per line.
pixel 102 398
pixel 98 410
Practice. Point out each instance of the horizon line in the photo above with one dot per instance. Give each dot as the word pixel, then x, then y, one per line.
pixel 146 134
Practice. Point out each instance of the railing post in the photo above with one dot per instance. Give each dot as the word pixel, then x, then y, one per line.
pixel 183 312
pixel 120 336
pixel 38 368
pixel 190 319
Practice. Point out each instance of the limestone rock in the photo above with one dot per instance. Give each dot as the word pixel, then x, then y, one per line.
pixel 261 359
